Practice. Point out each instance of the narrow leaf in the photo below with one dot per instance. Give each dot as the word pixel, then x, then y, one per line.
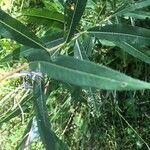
pixel 135 51
pixel 42 116
pixel 121 33
pixel 44 14
pixel 131 7
pixel 19 32
pixel 28 53
pixel 50 40
pixel 73 12
pixel 49 139
pixel 88 45
pixel 79 53
pixel 87 74
pixel 138 14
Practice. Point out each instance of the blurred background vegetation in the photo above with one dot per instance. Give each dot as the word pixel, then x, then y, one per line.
pixel 113 121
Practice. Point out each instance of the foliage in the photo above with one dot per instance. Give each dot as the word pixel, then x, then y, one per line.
pixel 83 73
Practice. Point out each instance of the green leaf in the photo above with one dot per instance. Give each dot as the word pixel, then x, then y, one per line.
pixel 28 53
pixel 42 115
pixel 131 7
pixel 87 74
pixel 73 12
pixel 50 40
pixel 78 50
pixel 135 50
pixel 121 33
pixel 88 44
pixel 43 13
pixel 46 23
pixel 19 32
pixel 49 139
pixel 79 53
pixel 4 33
pixel 138 14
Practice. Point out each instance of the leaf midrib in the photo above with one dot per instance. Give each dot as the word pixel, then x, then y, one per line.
pixel 45 17
pixel 114 33
pixel 89 74
pixel 23 35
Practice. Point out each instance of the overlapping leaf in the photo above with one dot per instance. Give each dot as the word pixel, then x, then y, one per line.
pixel 135 50
pixel 88 45
pixel 19 32
pixel 73 12
pixel 28 53
pixel 53 39
pixel 80 53
pixel 87 74
pixel 131 7
pixel 42 116
pixel 49 139
pixel 121 33
pixel 44 14
pixel 138 14
pixel 50 40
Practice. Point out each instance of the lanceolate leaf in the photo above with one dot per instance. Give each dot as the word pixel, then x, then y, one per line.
pixel 121 33
pixel 87 74
pixel 135 50
pixel 50 40
pixel 42 116
pixel 73 12
pixel 44 14
pixel 138 14
pixel 131 7
pixel 49 139
pixel 28 53
pixel 19 32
